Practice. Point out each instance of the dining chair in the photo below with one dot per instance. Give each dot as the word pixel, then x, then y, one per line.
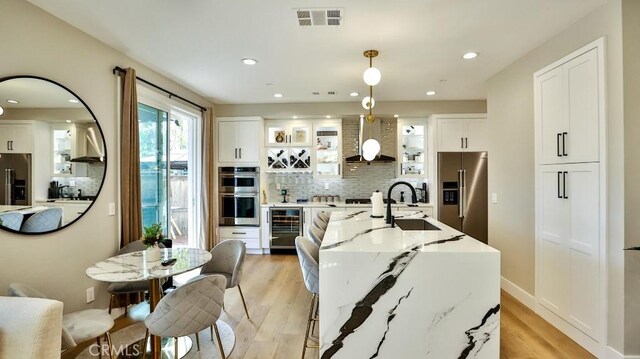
pixel 324 216
pixel 308 256
pixel 316 234
pixel 319 223
pixel 43 221
pixel 188 310
pixel 30 328
pixel 129 287
pixel 227 259
pixel 11 220
pixel 77 326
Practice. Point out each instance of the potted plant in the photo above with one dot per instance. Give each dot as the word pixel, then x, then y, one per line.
pixel 152 235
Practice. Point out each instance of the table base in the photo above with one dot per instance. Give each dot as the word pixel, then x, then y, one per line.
pixel 134 351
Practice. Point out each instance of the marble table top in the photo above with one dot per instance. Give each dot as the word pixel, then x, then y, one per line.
pixel 22 209
pixel 133 267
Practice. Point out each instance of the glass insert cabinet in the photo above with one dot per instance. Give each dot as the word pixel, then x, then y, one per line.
pixel 411 148
pixel 328 147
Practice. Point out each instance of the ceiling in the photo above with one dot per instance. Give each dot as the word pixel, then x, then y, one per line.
pixel 35 93
pixel 200 44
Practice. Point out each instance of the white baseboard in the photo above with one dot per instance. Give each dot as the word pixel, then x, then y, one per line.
pixel 520 294
pixel 614 354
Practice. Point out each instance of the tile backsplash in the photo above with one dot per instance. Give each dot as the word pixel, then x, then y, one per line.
pixel 359 180
pixel 89 185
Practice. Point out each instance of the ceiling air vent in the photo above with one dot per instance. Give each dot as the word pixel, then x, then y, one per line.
pixel 319 17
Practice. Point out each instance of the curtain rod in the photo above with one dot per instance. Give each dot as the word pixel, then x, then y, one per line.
pixel 171 94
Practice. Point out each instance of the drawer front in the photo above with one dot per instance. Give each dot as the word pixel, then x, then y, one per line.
pixel 251 243
pixel 239 232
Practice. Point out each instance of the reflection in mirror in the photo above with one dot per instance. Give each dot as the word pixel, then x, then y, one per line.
pixel 52 156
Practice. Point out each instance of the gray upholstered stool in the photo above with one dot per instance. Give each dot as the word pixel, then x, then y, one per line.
pixel 308 254
pixel 44 221
pixel 316 234
pixel 12 220
pixel 319 223
pixel 227 259
pixel 189 309
pixel 324 216
pixel 78 326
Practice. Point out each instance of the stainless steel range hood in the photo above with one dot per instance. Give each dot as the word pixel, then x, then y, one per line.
pixel 367 128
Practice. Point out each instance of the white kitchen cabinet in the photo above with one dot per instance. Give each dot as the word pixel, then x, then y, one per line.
pixel 412 149
pixel 462 134
pixel 568 248
pixel 68 142
pixel 570 196
pixel 327 149
pixel 288 133
pixel 249 235
pixel 567 100
pixel 265 235
pixel 16 138
pixel 239 141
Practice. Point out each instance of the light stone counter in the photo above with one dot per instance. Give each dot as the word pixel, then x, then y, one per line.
pixel 389 293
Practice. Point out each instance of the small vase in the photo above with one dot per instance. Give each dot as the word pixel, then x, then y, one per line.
pixel 153 254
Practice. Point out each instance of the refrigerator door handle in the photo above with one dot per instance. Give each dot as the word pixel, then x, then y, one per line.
pixel 460 194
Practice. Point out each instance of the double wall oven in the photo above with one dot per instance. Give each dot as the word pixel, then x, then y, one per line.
pixel 239 199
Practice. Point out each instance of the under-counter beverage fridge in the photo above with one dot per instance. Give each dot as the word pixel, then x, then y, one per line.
pixel 285 224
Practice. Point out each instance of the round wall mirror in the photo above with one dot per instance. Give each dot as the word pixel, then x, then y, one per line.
pixel 52 156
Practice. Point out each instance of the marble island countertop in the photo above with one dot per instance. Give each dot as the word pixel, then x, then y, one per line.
pixel 392 293
pixel 341 204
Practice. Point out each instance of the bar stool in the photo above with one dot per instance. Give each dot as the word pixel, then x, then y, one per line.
pixel 319 223
pixel 308 256
pixel 324 216
pixel 316 234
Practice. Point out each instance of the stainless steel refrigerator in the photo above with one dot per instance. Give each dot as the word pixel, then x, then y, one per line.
pixel 462 204
pixel 15 178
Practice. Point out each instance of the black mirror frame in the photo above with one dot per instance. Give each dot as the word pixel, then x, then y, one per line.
pixel 104 141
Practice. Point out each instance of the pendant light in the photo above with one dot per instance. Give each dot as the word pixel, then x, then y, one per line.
pixel 1 110
pixel 371 77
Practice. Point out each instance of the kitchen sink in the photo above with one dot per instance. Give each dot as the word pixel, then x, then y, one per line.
pixel 415 224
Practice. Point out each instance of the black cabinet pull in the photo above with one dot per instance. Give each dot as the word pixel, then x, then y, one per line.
pixel 564 145
pixel 564 185
pixel 8 148
pixel 466 142
pixel 461 142
pixel 558 144
pixel 240 152
pixel 236 155
pixel 559 179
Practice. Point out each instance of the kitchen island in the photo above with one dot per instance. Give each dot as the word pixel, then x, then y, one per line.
pixel 393 293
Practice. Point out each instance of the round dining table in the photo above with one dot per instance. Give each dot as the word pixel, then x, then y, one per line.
pixel 133 267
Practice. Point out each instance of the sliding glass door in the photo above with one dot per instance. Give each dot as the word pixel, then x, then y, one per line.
pixel 169 171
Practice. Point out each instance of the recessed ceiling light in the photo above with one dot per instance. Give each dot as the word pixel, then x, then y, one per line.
pixel 294 117
pixel 73 100
pixel 328 116
pixel 248 61
pixel 277 95
pixel 12 101
pixel 396 116
pixel 431 93
pixel 67 121
pixel 354 94
pixel 470 55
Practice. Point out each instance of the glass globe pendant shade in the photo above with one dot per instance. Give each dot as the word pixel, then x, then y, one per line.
pixel 370 149
pixel 368 101
pixel 1 110
pixel 372 76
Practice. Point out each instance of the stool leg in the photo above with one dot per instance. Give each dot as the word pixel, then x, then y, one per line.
pixel 243 302
pixel 99 347
pixel 175 347
pixel 198 341
pixel 144 344
pixel 211 329
pixel 109 345
pixel 306 335
pixel 215 327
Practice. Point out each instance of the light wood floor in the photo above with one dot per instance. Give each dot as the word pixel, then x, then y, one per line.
pixel 278 303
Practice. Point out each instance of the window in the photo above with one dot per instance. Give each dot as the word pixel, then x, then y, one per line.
pixel 169 167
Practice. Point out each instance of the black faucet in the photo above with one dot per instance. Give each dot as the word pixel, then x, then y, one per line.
pixel 414 197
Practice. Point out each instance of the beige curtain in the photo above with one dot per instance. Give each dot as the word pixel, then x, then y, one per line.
pixel 208 228
pixel 131 204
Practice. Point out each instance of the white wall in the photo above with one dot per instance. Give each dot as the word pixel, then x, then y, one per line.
pixel 36 43
pixel 511 170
